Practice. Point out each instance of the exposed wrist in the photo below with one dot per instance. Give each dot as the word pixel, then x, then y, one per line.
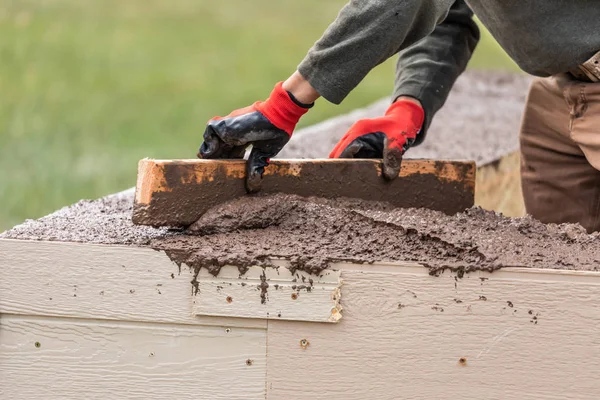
pixel 301 90
pixel 299 103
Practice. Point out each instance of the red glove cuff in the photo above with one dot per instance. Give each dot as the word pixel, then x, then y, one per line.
pixel 410 112
pixel 281 110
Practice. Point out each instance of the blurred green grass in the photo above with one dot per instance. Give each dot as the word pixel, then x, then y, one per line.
pixel 87 88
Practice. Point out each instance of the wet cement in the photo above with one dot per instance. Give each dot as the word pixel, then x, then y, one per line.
pixel 312 233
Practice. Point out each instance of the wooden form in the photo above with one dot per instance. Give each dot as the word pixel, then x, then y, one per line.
pixel 97 321
pixel 498 186
pixel 177 192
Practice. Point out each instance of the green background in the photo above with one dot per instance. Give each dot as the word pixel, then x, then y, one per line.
pixel 88 88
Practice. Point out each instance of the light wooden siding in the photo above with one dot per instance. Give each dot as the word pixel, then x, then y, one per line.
pixel 498 186
pixel 98 281
pixel 93 359
pixel 402 334
pixel 297 297
pixel 522 334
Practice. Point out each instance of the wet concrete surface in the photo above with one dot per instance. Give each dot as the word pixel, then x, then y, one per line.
pixel 314 232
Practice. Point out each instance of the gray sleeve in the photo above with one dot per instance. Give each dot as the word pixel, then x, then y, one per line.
pixel 428 69
pixel 365 34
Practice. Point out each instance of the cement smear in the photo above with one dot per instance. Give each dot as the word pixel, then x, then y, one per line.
pixel 312 233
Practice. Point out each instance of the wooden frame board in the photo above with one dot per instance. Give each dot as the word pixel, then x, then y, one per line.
pixel 89 321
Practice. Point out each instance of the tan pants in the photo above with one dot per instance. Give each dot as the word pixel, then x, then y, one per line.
pixel 560 151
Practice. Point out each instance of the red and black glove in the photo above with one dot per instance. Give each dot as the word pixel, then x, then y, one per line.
pixel 266 125
pixel 387 137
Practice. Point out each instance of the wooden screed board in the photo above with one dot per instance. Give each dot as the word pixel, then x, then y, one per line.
pixel 177 192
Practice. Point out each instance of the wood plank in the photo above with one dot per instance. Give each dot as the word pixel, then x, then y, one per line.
pixel 498 186
pixel 513 334
pixel 177 192
pixel 521 333
pixel 99 281
pixel 63 358
pixel 269 293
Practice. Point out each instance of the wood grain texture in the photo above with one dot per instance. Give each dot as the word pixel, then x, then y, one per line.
pixel 513 334
pixel 269 293
pixel 152 173
pixel 177 192
pixel 97 313
pixel 498 186
pixel 57 358
pixel 98 281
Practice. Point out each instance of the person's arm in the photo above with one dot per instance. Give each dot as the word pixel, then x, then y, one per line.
pixel 365 33
pixel 427 70
pixel 425 73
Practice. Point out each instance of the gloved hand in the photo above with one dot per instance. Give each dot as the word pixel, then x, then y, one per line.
pixel 386 137
pixel 267 126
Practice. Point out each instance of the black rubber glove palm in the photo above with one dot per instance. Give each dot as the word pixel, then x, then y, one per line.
pixel 267 126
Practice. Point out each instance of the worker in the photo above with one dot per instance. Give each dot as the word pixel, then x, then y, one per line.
pixel 557 41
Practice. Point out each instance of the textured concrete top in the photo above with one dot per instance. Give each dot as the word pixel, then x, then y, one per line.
pixel 313 232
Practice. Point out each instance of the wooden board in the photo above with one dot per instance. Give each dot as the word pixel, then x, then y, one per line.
pixel 177 192
pixel 94 281
pixel 498 186
pixel 66 358
pixel 104 328
pixel 269 293
pixel 513 334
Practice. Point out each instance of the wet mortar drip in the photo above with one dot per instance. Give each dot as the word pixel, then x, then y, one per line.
pixel 313 232
pixel 263 287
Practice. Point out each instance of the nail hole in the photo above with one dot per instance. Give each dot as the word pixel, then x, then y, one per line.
pixel 249 362
pixel 229 299
pixel 227 330
pixel 38 344
pixel 462 361
pixel 294 296
pixel 304 343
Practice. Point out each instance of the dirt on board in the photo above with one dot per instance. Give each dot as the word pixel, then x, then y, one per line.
pixel 314 232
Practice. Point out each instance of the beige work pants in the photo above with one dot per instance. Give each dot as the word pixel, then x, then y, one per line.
pixel 560 151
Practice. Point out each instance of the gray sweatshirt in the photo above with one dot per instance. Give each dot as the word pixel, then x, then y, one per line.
pixel 436 38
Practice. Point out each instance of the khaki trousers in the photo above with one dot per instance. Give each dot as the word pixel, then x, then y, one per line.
pixel 560 151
